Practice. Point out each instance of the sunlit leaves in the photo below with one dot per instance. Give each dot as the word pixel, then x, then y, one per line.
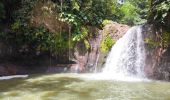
pixel 160 10
pixel 131 12
pixel 75 5
pixel 80 34
pixel 68 18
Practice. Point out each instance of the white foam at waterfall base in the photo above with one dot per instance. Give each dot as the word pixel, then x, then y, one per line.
pixel 126 59
pixel 13 76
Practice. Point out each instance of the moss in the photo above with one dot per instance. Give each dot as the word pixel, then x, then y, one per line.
pixel 105 22
pixel 106 44
pixel 16 25
pixel 87 45
pixel 165 39
pixel 151 43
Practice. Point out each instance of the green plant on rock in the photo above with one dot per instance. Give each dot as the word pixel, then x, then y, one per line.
pixel 106 44
pixel 59 44
pixel 165 39
pixel 150 43
pixel 16 25
pixel 105 22
pixel 87 44
pixel 80 34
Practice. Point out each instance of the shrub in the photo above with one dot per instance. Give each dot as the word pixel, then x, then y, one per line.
pixel 106 44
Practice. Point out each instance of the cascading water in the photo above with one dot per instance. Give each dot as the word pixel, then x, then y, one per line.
pixel 127 57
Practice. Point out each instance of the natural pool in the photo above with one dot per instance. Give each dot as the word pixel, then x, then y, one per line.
pixel 79 87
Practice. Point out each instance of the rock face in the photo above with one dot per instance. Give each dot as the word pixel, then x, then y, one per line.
pixel 115 29
pixel 157 57
pixel 93 59
pixel 44 13
pixel 162 70
pixel 85 59
pixel 8 70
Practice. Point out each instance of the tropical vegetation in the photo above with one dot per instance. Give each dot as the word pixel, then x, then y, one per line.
pixel 19 29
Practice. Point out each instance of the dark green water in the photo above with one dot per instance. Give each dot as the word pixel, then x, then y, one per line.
pixel 77 87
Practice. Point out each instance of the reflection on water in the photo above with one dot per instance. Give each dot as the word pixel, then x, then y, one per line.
pixel 76 87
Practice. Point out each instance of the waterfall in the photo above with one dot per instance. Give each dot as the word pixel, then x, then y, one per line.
pixel 127 56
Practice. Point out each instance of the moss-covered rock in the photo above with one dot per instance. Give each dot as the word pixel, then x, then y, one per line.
pixel 111 32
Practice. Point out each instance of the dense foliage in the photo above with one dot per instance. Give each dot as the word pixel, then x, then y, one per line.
pixel 159 15
pixel 159 11
pixel 77 16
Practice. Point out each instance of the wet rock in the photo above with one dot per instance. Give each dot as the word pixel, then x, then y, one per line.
pixel 157 57
pixel 115 30
pixel 8 69
pixel 90 60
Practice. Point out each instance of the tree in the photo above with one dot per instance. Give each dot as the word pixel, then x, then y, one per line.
pixel 133 12
pixel 159 12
